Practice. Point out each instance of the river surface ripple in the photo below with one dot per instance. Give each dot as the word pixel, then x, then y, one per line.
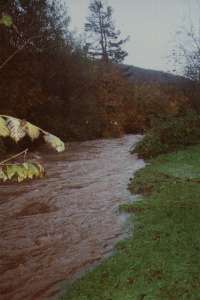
pixel 53 229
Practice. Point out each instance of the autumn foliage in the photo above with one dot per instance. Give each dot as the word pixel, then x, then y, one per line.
pixel 53 83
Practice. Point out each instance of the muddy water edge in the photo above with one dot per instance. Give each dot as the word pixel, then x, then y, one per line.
pixel 55 228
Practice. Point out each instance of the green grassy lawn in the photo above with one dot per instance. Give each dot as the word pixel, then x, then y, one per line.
pixel 162 258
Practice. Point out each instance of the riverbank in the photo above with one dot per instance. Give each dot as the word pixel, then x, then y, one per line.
pixel 162 258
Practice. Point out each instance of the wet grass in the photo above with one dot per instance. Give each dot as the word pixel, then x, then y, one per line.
pixel 162 258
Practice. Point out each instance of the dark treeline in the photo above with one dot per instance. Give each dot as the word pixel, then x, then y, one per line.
pixel 52 81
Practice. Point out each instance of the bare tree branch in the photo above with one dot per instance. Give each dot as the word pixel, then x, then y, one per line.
pixel 17 51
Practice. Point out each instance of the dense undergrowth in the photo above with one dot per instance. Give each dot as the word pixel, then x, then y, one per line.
pixel 169 135
pixel 162 258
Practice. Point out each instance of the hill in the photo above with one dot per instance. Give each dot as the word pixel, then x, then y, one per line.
pixel 137 74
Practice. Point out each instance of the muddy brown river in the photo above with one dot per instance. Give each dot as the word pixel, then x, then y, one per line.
pixel 53 229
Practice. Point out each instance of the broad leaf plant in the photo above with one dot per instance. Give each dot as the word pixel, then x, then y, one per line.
pixel 17 129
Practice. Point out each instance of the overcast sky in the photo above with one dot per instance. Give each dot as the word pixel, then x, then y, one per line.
pixel 151 25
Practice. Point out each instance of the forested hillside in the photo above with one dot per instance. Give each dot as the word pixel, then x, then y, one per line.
pixel 49 77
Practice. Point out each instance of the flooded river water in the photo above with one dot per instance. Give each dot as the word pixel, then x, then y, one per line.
pixel 53 229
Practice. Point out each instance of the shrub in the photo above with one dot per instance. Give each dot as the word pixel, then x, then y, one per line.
pixel 169 135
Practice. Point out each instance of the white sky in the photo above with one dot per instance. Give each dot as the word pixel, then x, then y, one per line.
pixel 151 25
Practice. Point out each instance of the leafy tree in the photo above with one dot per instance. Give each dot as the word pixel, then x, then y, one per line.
pixel 38 24
pixel 105 39
pixel 17 129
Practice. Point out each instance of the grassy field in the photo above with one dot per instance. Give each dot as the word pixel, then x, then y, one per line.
pixel 162 258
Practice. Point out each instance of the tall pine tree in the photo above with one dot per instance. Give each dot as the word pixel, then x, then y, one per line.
pixel 104 40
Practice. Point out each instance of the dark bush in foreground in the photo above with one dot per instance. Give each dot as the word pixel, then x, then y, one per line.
pixel 169 135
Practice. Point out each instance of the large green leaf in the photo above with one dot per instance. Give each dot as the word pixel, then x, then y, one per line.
pixel 6 20
pixel 16 128
pixel 21 172
pixel 4 131
pixel 3 176
pixel 32 131
pixel 11 171
pixel 54 142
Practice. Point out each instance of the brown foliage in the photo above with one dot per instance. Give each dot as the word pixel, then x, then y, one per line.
pixel 53 84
